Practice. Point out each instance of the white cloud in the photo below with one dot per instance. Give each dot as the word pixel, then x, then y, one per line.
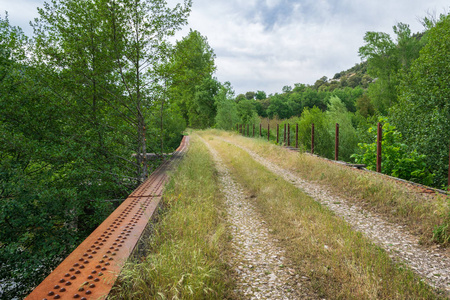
pixel 266 44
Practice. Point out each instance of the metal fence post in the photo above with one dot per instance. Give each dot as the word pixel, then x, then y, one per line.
pixel 449 169
pixel 289 135
pixel 336 146
pixel 379 138
pixel 312 138
pixel 278 133
pixel 296 135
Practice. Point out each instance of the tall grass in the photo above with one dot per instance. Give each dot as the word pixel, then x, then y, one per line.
pixel 420 213
pixel 189 243
pixel 339 262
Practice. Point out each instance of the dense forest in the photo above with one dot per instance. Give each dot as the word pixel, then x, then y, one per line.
pixel 99 85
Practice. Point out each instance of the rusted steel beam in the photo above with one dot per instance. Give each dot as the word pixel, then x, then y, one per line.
pixel 91 270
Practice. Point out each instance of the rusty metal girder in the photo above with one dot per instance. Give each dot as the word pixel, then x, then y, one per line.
pixel 90 271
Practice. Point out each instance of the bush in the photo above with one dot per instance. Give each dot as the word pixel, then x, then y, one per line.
pixel 397 159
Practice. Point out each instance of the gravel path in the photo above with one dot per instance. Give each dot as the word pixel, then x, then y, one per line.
pixel 432 265
pixel 260 266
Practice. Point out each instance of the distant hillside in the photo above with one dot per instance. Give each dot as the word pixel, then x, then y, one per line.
pixel 353 77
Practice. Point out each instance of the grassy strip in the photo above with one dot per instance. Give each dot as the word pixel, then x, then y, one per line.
pixel 186 249
pixel 397 202
pixel 341 263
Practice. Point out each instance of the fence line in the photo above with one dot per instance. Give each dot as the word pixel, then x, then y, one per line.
pixel 286 142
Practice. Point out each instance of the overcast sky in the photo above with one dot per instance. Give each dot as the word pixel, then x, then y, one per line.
pixel 267 44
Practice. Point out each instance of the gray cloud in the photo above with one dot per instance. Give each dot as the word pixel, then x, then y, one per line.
pixel 266 44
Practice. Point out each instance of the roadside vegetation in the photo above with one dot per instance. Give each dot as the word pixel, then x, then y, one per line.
pixel 425 215
pixel 188 246
pixel 339 262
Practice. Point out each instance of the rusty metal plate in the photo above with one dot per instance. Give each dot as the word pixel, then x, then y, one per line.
pixel 90 271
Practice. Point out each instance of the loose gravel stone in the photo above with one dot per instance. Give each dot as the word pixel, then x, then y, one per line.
pixel 262 270
pixel 431 264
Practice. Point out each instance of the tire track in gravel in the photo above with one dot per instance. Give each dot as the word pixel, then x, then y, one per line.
pixel 261 269
pixel 431 265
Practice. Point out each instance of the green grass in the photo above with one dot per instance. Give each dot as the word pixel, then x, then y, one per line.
pixel 341 263
pixel 188 248
pixel 398 202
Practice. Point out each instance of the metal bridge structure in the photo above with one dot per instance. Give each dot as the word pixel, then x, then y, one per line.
pixel 91 270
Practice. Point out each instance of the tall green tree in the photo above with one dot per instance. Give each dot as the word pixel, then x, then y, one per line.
pixel 380 51
pixel 423 112
pixel 386 59
pixel 203 109
pixel 227 114
pixel 192 66
pixel 74 110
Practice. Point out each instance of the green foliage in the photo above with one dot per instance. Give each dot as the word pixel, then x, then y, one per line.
pixel 278 107
pixel 193 87
pixel 323 141
pixel 337 113
pixel 74 110
pixel 385 60
pixel 246 110
pixel 397 159
pixel 423 111
pixel 441 234
pixel 364 107
pixel 227 113
pixel 260 95
pixel 203 110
